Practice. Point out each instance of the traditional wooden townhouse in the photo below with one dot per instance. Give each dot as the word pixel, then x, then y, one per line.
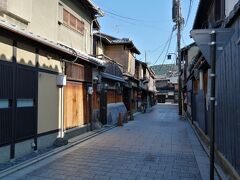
pixel 137 91
pixel 217 15
pixel 45 72
pixel 123 52
pixel 167 89
pixel 193 82
pixel 152 87
pixel 108 86
pixel 147 85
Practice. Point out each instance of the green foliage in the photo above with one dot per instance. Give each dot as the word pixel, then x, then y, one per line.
pixel 165 69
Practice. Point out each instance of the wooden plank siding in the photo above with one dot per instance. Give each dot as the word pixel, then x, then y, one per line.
pixel 96 98
pixel 75 113
pixel 134 99
pixel 18 121
pixel 78 72
pixel 26 88
pixel 76 107
pixel 228 100
pixel 200 110
pixel 75 71
pixel 113 97
pixel 119 98
pixel 6 81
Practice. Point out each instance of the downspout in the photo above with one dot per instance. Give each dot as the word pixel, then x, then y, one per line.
pixel 91 34
pixel 61 134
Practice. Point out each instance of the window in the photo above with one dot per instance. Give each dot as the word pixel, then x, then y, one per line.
pixel 4 103
pixel 73 22
pixel 24 103
pixel 65 17
pixel 80 26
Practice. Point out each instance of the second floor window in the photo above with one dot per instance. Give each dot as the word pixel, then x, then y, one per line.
pixel 73 22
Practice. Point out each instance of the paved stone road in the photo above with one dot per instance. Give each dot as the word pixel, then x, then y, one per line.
pixel 157 145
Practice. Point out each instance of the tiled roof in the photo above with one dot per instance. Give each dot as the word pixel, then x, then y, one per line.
pixel 95 8
pixel 116 41
pixel 55 45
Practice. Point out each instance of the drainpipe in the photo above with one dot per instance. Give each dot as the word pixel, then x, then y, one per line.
pixel 91 34
pixel 62 106
pixel 213 100
pixel 62 119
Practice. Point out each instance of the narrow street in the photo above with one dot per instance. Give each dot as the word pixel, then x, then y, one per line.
pixel 156 145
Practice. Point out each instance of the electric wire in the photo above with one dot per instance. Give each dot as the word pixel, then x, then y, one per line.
pixel 134 23
pixel 161 66
pixel 189 12
pixel 114 13
pixel 167 44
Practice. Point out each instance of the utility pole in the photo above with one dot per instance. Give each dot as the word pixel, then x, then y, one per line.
pixel 177 18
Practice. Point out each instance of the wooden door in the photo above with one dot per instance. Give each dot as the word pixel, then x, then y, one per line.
pixel 74 105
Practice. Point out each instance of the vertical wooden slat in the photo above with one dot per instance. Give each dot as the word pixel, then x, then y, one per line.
pixel 14 60
pixel 228 101
pixel 96 102
pixel 74 104
pixel 6 83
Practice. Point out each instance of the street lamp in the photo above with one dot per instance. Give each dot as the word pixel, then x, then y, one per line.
pixel 169 56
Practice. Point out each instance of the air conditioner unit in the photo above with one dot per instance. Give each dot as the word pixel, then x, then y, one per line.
pixel 61 80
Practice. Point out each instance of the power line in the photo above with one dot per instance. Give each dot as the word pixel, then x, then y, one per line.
pixel 167 43
pixel 114 13
pixel 166 52
pixel 189 12
pixel 143 25
pixel 124 17
pixel 156 49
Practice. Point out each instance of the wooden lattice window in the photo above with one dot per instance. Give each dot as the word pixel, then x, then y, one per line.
pixel 73 22
pixel 66 16
pixel 80 26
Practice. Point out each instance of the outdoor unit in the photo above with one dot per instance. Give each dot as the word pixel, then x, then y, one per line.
pixel 61 80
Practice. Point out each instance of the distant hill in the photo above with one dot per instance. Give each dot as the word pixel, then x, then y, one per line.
pixel 165 69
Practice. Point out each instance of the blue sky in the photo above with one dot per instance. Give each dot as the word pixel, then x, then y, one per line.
pixel 148 23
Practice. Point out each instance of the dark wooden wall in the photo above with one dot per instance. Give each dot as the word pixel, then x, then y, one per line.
pixel 17 82
pixel 201 110
pixel 228 100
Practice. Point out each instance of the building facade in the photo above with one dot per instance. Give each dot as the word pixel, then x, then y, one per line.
pixel 40 43
pixel 217 14
pixel 57 78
